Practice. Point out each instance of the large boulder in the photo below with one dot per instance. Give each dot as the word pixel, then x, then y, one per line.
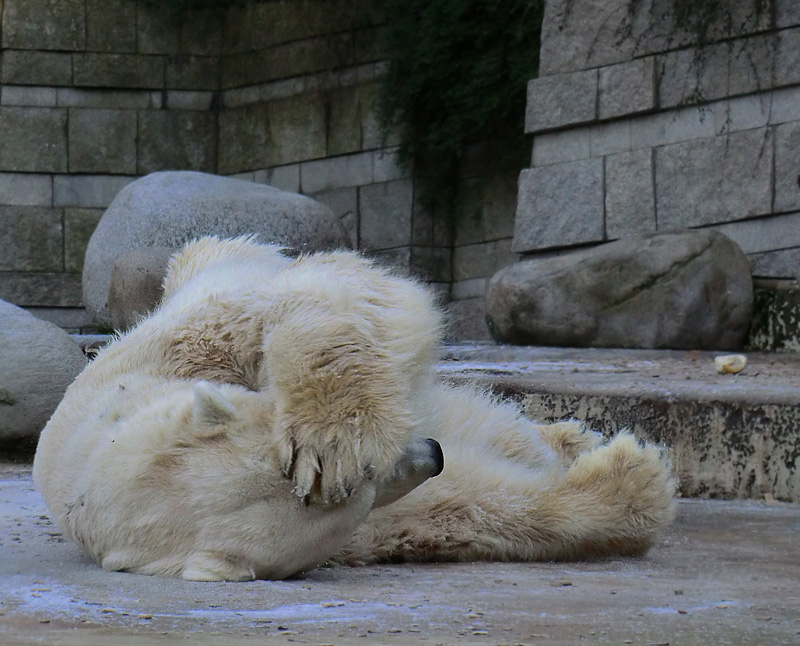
pixel 137 285
pixel 683 290
pixel 38 360
pixel 167 209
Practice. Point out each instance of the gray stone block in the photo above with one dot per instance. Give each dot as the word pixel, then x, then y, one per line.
pixel 782 263
pixel 44 24
pixel 785 105
pixel 673 126
pixel 244 139
pixel 102 141
pixel 40 97
pixel 744 113
pixel 283 89
pixel 372 135
pixel 33 140
pixel 563 100
pixel 562 146
pixel 398 259
pixel 787 167
pixel 31 239
pixel 559 206
pixel 297 125
pixel 79 224
pixel 630 200
pixel 156 32
pixel 41 289
pixel 787 57
pixel 36 68
pixel 764 234
pixel 25 189
pixel 386 168
pixel 386 215
pixel 87 191
pixel 474 261
pixel 117 70
pixel 192 72
pixel 714 180
pixel 627 88
pixel 201 33
pixel 581 34
pixel 69 97
pixel 69 319
pixel 111 26
pixel 610 138
pixel 336 172
pixel 344 122
pixel 466 321
pixel 173 139
pixel 189 100
pixel 716 71
pixel 489 206
pixel 787 13
pixel 472 288
pixel 344 204
pixel 286 178
pixel 431 263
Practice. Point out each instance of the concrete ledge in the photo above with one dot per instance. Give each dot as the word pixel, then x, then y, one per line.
pixel 731 436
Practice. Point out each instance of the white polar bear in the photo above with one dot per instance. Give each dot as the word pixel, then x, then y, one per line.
pixel 324 389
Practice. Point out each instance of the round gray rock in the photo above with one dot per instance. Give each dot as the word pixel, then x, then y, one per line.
pixel 38 360
pixel 170 208
pixel 683 290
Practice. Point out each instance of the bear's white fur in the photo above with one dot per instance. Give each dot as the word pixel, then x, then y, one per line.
pixel 324 389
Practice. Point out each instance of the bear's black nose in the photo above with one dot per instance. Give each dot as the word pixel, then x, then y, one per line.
pixel 437 455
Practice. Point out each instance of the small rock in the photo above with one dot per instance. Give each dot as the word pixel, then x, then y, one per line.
pixel 730 364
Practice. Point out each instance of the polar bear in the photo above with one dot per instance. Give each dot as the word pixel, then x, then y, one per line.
pixel 273 413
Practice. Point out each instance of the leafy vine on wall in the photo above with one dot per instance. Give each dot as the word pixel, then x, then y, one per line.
pixel 457 72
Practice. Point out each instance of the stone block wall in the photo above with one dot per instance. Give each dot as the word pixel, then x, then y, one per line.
pixel 637 130
pixel 94 93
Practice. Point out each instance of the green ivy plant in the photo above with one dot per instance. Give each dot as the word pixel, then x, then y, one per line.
pixel 458 72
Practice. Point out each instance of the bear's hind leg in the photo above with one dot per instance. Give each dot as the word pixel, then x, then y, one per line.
pixel 569 439
pixel 613 501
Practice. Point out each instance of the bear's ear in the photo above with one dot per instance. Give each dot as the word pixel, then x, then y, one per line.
pixel 211 409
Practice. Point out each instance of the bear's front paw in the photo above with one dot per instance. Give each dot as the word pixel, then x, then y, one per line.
pixel 328 471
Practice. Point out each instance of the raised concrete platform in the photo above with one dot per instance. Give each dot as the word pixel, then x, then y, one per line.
pixel 732 436
pixel 724 573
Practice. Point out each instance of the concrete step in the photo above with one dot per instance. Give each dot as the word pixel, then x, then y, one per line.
pixel 731 436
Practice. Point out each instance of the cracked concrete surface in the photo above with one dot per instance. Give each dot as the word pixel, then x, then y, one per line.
pixel 726 572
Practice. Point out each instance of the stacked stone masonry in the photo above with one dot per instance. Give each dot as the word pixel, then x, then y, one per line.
pixel 637 130
pixel 95 93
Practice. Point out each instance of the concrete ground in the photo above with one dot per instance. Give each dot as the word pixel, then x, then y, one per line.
pixel 727 572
